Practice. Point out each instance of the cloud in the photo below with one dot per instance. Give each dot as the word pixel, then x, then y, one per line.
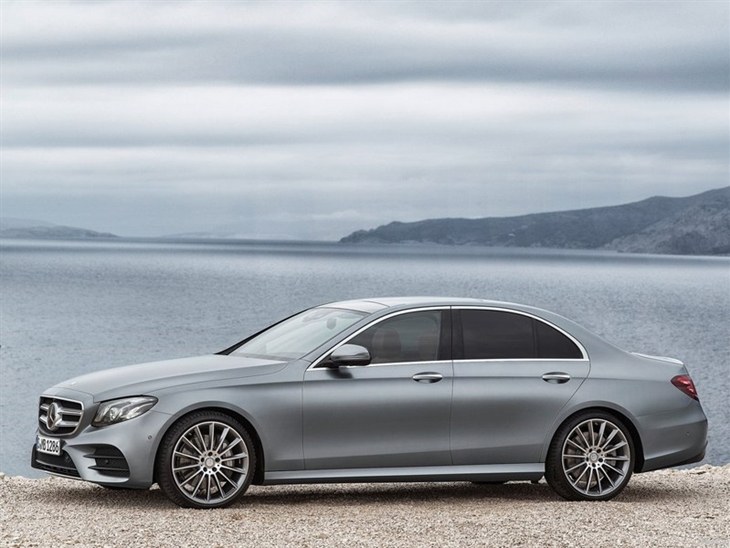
pixel 315 119
pixel 684 48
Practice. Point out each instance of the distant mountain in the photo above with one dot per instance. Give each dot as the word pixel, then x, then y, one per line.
pixel 30 228
pixel 695 225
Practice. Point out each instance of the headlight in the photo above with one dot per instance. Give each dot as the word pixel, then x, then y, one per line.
pixel 123 409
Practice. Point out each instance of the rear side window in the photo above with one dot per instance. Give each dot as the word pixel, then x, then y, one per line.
pixel 553 344
pixel 491 334
pixel 495 334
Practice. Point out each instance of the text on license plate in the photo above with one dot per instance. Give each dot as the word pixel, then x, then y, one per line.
pixel 52 446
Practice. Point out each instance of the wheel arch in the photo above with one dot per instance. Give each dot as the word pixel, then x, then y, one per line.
pixel 620 414
pixel 258 476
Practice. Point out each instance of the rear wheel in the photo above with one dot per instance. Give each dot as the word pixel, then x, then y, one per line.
pixel 591 457
pixel 206 460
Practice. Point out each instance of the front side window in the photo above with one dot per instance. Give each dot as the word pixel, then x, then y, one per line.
pixel 501 335
pixel 411 337
pixel 300 334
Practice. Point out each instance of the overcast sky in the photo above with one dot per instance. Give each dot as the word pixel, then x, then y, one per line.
pixel 310 120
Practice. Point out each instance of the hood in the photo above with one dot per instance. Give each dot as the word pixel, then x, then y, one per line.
pixel 146 378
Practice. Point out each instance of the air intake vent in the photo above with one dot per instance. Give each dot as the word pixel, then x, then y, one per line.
pixel 109 461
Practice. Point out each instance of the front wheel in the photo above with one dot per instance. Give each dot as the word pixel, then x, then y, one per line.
pixel 591 457
pixel 206 460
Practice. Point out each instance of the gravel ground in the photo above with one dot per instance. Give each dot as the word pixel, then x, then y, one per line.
pixel 666 508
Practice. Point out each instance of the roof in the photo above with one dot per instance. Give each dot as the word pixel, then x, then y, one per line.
pixel 380 303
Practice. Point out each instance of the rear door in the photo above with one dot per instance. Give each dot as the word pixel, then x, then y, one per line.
pixel 512 375
pixel 394 412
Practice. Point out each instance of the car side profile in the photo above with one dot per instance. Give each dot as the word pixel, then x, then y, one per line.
pixel 373 390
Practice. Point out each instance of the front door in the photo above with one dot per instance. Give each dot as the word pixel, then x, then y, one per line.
pixel 392 413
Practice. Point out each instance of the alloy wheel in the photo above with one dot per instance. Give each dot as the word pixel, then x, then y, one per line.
pixel 210 463
pixel 596 458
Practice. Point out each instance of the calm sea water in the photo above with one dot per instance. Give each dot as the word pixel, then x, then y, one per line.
pixel 69 308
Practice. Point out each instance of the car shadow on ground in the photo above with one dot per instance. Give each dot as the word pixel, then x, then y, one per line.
pixel 350 494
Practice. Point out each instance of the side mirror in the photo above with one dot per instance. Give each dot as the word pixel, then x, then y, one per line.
pixel 350 354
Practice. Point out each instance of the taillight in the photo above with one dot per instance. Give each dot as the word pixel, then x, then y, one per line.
pixel 686 385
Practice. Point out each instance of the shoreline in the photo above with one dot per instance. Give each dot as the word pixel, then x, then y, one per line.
pixel 688 507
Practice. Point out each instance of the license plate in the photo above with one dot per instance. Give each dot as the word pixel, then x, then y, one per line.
pixel 51 446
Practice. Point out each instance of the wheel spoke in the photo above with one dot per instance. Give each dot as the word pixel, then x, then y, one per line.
pixel 584 439
pixel 592 433
pixel 203 445
pixel 579 477
pixel 191 444
pixel 223 439
pixel 185 455
pixel 576 466
pixel 195 491
pixel 601 430
pixel 617 446
pixel 233 444
pixel 621 472
pixel 235 457
pixel 191 477
pixel 608 477
pixel 218 485
pixel 590 477
pixel 188 467
pixel 598 481
pixel 571 442
pixel 609 438
pixel 237 470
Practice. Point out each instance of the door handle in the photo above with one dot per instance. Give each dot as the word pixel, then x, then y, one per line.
pixel 427 377
pixel 556 377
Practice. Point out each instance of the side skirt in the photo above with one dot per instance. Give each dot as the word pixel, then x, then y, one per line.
pixel 477 472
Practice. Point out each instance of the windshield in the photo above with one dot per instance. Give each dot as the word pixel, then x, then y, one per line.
pixel 300 334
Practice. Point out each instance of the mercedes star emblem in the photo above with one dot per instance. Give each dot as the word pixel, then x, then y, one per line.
pixel 53 418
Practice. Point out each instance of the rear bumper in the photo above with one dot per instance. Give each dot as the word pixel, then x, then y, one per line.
pixel 673 439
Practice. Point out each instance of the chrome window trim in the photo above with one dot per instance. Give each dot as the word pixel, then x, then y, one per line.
pixel 316 362
pixel 429 362
pixel 580 346
pixel 522 360
pixel 534 317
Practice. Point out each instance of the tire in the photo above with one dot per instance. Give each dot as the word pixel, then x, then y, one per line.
pixel 206 460
pixel 591 457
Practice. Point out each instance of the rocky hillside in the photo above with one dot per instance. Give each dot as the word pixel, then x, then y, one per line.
pixel 694 225
pixel 27 228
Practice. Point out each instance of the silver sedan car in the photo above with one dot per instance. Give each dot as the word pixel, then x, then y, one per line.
pixel 393 389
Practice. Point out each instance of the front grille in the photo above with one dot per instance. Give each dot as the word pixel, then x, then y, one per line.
pixel 56 464
pixel 65 416
pixel 109 461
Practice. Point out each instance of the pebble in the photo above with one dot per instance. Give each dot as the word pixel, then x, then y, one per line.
pixel 666 508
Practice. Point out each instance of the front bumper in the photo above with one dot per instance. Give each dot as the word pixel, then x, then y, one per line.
pixel 121 454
